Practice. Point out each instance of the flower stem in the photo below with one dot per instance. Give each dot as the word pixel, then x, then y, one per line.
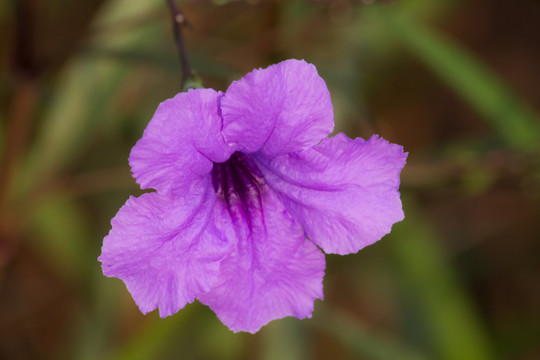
pixel 189 79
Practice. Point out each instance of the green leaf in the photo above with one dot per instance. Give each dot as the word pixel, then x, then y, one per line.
pixel 439 302
pixel 222 2
pixel 84 95
pixel 60 232
pixel 516 123
pixel 152 338
pixel 361 342
pixel 285 340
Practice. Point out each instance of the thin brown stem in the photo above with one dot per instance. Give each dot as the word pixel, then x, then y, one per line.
pixel 179 20
pixel 21 108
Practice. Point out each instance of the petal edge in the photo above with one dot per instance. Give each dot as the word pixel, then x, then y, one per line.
pixel 283 108
pixel 343 192
pixel 273 272
pixel 164 249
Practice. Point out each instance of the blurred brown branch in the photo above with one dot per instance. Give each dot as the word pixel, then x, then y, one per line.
pixel 179 20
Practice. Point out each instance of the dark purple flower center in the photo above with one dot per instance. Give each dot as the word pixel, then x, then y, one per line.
pixel 238 183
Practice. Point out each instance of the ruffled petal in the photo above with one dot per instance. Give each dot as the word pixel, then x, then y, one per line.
pixel 165 249
pixel 273 271
pixel 281 109
pixel 343 192
pixel 180 143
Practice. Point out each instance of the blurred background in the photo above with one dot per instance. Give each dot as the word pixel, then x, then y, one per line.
pixel 457 83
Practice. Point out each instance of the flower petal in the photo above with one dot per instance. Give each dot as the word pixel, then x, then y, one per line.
pixel 283 108
pixel 180 143
pixel 165 249
pixel 343 192
pixel 273 271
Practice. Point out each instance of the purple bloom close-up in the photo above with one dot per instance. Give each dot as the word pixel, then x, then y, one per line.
pixel 249 192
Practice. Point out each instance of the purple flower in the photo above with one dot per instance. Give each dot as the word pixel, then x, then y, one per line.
pixel 249 189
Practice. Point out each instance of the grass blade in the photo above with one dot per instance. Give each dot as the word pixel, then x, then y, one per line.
pixel 516 123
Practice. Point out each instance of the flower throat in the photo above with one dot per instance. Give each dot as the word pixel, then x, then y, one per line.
pixel 237 182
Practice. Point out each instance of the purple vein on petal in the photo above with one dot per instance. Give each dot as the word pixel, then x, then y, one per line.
pixel 237 182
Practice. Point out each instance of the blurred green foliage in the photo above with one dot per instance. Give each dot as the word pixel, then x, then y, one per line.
pixel 432 289
pixel 516 123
